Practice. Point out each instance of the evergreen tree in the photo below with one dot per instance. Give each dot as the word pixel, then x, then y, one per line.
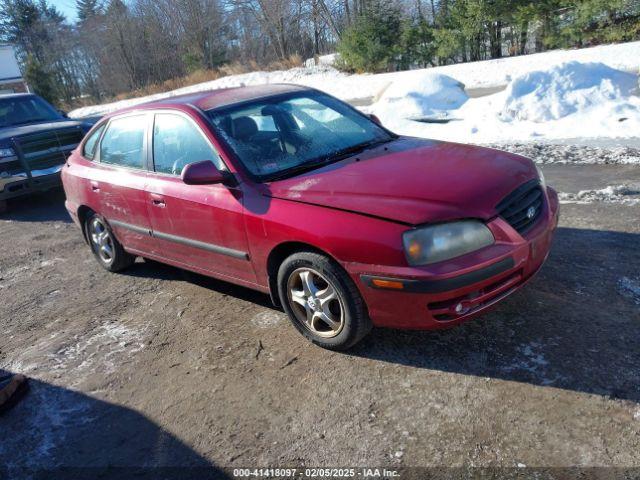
pixel 417 46
pixel 368 45
pixel 88 9
pixel 39 79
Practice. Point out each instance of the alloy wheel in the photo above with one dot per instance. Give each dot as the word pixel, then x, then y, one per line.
pixel 315 302
pixel 101 240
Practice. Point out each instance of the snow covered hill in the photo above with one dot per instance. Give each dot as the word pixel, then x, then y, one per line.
pixel 589 93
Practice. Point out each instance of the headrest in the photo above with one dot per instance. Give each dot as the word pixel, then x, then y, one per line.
pixel 244 128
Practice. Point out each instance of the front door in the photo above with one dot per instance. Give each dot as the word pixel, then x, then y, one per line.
pixel 199 226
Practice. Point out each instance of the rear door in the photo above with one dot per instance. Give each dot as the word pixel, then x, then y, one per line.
pixel 200 226
pixel 120 178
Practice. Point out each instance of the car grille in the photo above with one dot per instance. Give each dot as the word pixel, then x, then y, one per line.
pixel 523 206
pixel 48 149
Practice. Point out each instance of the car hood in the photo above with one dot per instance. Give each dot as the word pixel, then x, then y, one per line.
pixel 9 132
pixel 413 181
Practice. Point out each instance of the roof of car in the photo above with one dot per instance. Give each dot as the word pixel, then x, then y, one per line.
pixel 223 97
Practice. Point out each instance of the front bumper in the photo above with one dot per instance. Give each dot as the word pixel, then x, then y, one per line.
pixel 451 292
pixel 23 184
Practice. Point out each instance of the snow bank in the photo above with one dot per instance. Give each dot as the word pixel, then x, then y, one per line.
pixel 628 194
pixel 568 101
pixel 323 60
pixel 321 77
pixel 565 89
pixel 573 154
pixel 424 94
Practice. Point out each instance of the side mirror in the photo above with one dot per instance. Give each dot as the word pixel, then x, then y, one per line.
pixel 375 119
pixel 201 173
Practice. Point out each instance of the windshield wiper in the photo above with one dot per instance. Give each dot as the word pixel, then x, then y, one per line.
pixel 327 159
pixel 360 147
pixel 297 170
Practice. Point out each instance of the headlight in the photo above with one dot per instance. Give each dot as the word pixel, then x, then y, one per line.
pixel 543 182
pixel 448 240
pixel 7 152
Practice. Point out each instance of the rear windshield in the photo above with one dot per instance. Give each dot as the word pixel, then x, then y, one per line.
pixel 277 134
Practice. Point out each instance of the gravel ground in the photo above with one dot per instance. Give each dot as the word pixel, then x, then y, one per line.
pixel 159 369
pixel 574 154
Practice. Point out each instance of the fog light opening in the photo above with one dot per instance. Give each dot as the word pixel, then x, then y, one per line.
pixel 461 309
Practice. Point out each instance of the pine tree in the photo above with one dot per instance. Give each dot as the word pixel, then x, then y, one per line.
pixel 40 79
pixel 370 43
pixel 88 9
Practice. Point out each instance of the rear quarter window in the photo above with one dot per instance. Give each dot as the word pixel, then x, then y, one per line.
pixel 89 149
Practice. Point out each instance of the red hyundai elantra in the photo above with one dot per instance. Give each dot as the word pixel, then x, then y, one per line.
pixel 292 192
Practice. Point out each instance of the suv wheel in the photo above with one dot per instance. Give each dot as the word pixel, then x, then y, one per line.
pixel 104 245
pixel 322 301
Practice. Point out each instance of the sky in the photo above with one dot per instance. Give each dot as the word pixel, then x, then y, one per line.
pixel 67 7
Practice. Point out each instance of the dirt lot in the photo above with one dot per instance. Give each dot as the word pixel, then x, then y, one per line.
pixel 157 367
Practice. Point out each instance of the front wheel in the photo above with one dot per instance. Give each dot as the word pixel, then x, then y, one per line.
pixel 322 301
pixel 104 245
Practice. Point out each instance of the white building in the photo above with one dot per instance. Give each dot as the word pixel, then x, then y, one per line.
pixel 10 75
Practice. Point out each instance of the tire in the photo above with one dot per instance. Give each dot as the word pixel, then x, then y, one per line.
pixel 105 246
pixel 322 301
pixel 4 207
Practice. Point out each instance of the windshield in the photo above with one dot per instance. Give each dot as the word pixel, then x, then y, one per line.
pixel 23 110
pixel 290 133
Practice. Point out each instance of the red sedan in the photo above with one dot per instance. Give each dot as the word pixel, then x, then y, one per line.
pixel 292 192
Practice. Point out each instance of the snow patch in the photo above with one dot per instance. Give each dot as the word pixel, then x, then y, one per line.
pixel 101 349
pixel 567 89
pixel 625 194
pixel 51 414
pixel 424 94
pixel 532 360
pixel 545 153
pixel 267 319
pixel 328 60
pixel 630 288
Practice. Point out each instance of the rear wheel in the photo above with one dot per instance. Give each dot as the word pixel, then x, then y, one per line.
pixel 104 245
pixel 322 301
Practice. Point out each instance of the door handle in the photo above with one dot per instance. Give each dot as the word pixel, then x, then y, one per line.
pixel 95 186
pixel 158 200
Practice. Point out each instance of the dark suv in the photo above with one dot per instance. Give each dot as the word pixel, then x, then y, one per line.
pixel 35 141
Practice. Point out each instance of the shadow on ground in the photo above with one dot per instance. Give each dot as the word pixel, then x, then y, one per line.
pixel 42 207
pixel 573 327
pixel 161 271
pixel 57 433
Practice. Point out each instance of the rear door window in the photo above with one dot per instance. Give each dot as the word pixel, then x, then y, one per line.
pixel 123 142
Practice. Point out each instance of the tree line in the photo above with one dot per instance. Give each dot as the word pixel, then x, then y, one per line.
pixel 118 46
